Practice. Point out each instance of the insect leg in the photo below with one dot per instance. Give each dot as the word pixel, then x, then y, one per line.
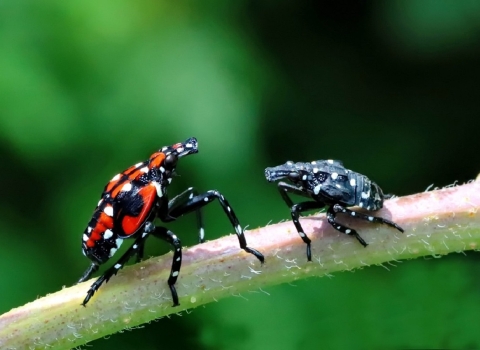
pixel 170 237
pixel 285 188
pixel 139 242
pixel 182 198
pixel 331 215
pixel 199 201
pixel 140 252
pixel 91 270
pixel 339 209
pixel 298 208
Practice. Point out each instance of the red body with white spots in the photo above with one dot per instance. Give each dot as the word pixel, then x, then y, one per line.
pixel 129 204
pixel 128 201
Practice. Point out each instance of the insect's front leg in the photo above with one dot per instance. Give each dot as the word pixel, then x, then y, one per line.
pixel 195 203
pixel 180 200
pixel 298 208
pixel 162 210
pixel 285 188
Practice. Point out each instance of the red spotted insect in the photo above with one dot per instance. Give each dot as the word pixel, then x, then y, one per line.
pixel 129 204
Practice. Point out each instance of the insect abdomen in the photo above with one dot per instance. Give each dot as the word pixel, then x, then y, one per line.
pixel 368 194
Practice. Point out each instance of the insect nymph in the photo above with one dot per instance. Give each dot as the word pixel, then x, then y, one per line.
pixel 129 204
pixel 328 183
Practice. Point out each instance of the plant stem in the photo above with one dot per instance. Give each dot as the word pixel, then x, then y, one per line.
pixel 437 222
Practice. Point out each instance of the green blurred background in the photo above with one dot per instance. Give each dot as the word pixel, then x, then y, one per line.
pixel 391 88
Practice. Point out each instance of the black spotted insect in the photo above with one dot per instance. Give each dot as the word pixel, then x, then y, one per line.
pixel 129 204
pixel 330 184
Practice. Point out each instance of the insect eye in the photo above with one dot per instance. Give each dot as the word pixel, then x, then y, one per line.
pixel 294 176
pixel 171 160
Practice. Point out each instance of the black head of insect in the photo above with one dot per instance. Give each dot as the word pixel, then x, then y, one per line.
pixel 300 174
pixel 162 164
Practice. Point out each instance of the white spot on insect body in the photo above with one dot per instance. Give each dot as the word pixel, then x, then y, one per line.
pixel 302 234
pixel 180 149
pixel 304 177
pixel 159 188
pixel 85 237
pixel 370 218
pixel 162 169
pixel 353 182
pixel 238 229
pixel 315 170
pixel 347 231
pixel 202 233
pixel 206 199
pixel 118 242
pixel 229 209
pixel 135 246
pixel 360 204
pixel 188 145
pixel 107 234
pixel 365 195
pixel 338 186
pixel 352 213
pixel 169 180
pixel 144 169
pixel 313 163
pixel 138 165
pixel 118 266
pixel 127 187
pixel 330 161
pixel 316 189
pixel 112 252
pixel 334 176
pixel 174 273
pixel 108 210
pixel 100 202
pixel 89 229
pixel 115 178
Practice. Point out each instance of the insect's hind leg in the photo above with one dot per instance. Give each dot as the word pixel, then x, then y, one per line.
pixel 331 217
pixel 366 217
pixel 91 270
pixel 139 242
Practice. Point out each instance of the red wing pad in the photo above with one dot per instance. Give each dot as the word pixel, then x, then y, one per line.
pixel 147 195
pixel 156 160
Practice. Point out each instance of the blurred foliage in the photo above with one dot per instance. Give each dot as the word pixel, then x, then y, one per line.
pixel 390 88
